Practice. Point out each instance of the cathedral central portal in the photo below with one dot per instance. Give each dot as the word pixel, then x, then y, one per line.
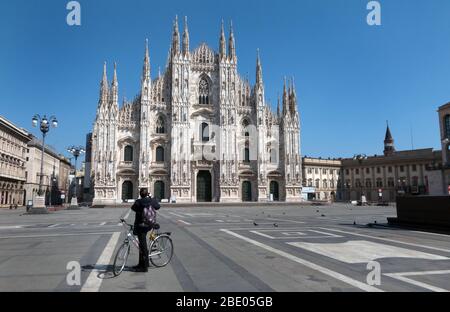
pixel 204 186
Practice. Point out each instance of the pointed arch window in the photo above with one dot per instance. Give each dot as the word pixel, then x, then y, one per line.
pixel 203 92
pixel 160 125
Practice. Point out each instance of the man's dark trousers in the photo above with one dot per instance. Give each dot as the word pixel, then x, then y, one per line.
pixel 143 250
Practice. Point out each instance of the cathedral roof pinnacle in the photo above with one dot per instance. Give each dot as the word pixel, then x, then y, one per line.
pixel 222 48
pixel 231 43
pixel 104 87
pixel 278 105
pixel 146 67
pixel 114 82
pixel 185 37
pixel 175 37
pixel 259 78
pixel 105 77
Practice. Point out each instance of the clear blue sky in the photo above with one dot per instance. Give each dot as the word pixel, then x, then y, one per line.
pixel 350 77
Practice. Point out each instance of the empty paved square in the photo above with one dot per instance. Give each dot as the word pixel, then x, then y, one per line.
pixel 256 248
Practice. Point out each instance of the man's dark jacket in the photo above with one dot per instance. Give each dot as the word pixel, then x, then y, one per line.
pixel 139 206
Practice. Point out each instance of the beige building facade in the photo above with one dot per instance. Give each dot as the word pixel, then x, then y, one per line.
pixel 386 177
pixel 13 147
pixel 321 179
pixel 63 181
pixel 56 171
pixel 380 177
pixel 395 173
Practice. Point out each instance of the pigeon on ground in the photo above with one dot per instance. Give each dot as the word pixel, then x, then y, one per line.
pixel 317 210
pixel 275 225
pixel 255 224
pixel 375 222
pixel 354 222
pixel 323 215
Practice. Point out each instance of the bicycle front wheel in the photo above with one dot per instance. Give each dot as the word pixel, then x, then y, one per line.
pixel 161 251
pixel 121 258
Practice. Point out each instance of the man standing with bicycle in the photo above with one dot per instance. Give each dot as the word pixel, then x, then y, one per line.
pixel 142 226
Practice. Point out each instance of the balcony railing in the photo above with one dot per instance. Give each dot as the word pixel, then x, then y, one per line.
pixel 126 165
pixel 158 164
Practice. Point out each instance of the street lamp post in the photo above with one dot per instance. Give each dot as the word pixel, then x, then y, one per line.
pixel 360 158
pixel 44 124
pixel 76 151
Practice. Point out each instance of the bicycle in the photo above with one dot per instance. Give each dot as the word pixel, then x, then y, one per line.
pixel 160 248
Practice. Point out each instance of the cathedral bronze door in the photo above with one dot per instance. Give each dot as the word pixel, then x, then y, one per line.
pixel 275 190
pixel 246 191
pixel 127 190
pixel 204 187
pixel 159 190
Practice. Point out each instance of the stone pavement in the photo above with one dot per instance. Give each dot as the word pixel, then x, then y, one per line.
pixel 257 248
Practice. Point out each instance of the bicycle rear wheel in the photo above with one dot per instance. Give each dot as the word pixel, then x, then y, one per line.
pixel 121 258
pixel 161 251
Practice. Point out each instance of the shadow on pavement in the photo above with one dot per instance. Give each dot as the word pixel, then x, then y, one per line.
pixel 392 227
pixel 106 271
pixel 378 226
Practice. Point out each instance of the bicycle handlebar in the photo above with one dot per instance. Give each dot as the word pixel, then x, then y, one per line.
pixel 125 222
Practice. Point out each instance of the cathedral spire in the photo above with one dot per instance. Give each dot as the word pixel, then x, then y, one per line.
pixel 146 67
pixel 285 98
pixel 289 95
pixel 278 106
pixel 222 48
pixel 185 37
pixel 293 97
pixel 259 78
pixel 105 77
pixel 175 38
pixel 114 82
pixel 232 44
pixel 104 87
pixel 115 89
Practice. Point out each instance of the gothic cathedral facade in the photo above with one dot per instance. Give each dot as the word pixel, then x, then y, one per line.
pixel 199 132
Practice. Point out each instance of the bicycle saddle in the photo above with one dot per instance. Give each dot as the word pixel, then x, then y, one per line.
pixel 156 226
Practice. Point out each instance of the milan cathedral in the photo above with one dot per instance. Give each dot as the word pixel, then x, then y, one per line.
pixel 199 132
